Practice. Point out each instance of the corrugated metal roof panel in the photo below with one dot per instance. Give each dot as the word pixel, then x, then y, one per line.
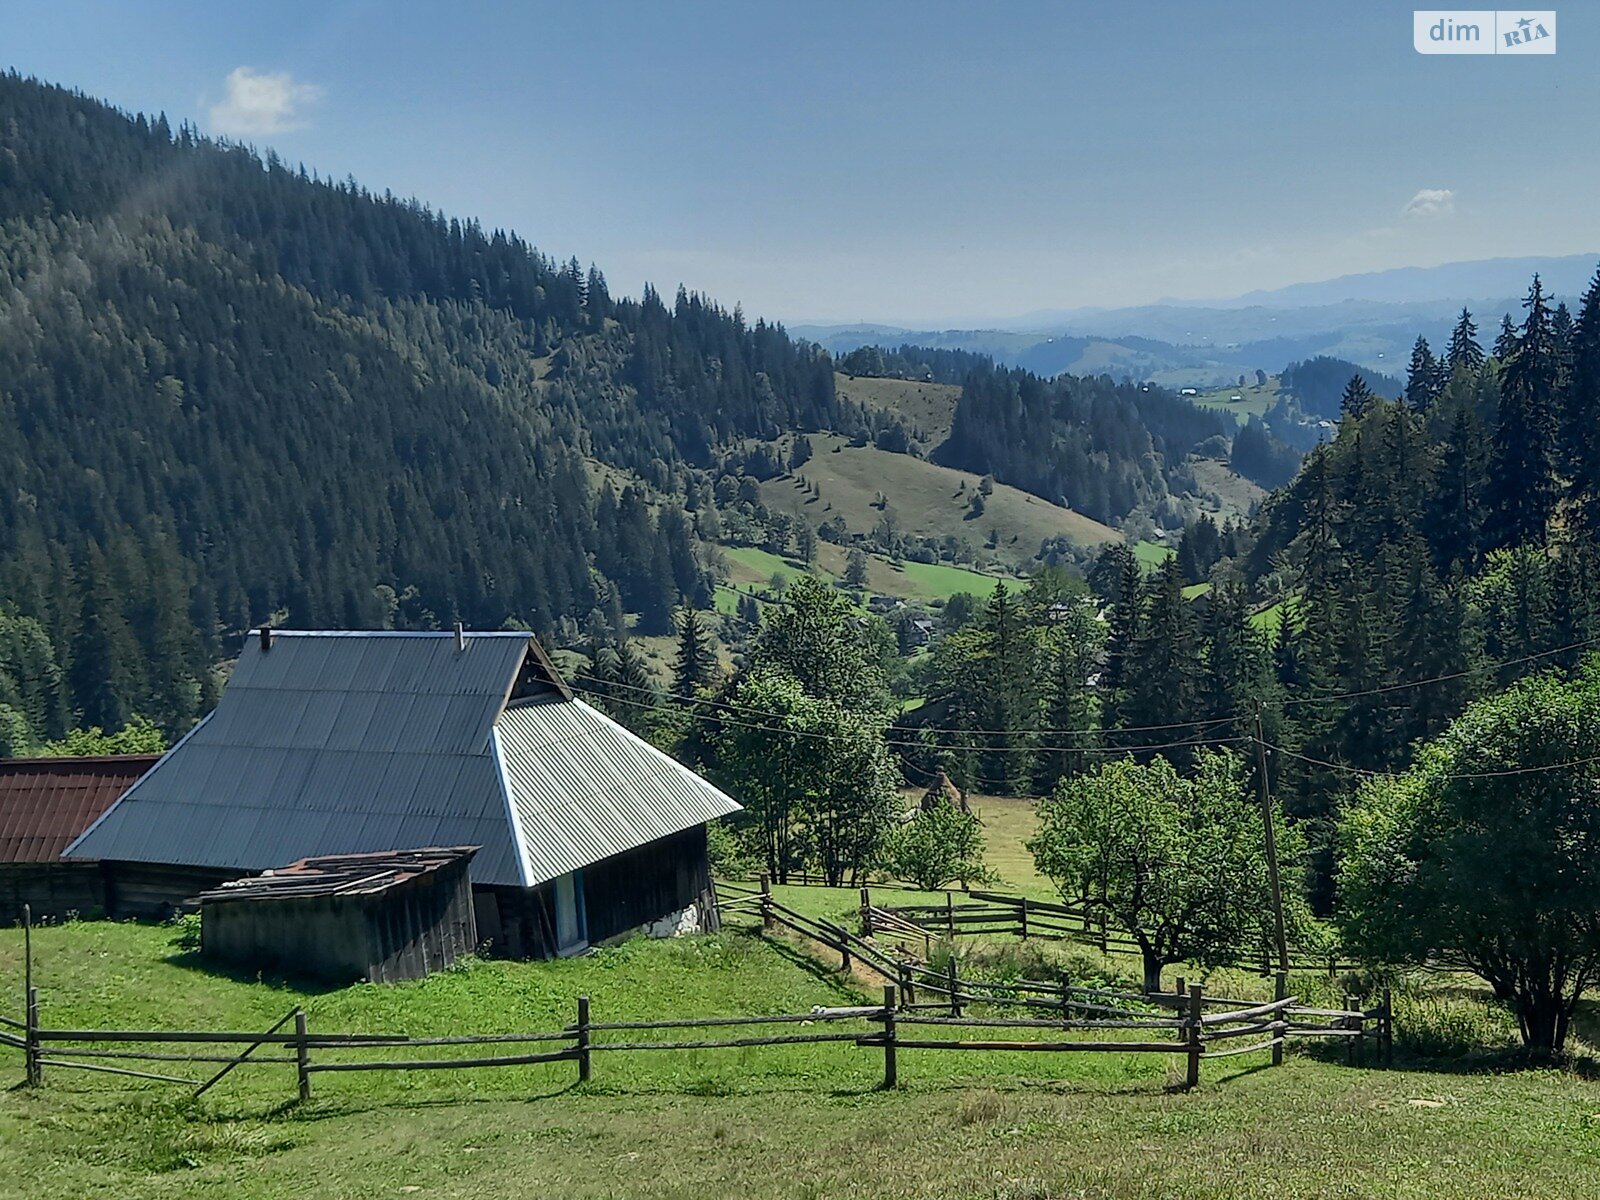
pixel 310 752
pixel 46 802
pixel 585 788
pixel 356 743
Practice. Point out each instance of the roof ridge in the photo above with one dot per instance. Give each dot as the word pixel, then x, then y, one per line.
pixel 390 633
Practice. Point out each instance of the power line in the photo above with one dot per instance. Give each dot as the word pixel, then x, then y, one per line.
pixel 1365 773
pixel 729 704
pixel 1131 729
pixel 1478 670
pixel 972 748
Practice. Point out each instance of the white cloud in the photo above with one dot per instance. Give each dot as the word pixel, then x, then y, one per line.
pixel 1431 202
pixel 262 102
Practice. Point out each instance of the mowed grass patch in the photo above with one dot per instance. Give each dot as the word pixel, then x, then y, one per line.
pixel 927 409
pixel 925 500
pixel 1008 823
pixel 1152 554
pixel 1254 400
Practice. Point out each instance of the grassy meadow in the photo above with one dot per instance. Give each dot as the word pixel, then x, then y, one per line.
pixel 803 1121
pixel 753 569
pixel 1453 1118
pixel 1254 402
pixel 925 499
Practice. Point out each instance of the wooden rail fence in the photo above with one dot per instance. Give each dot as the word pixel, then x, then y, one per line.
pixel 1199 1028
pixel 1185 1021
pixel 980 912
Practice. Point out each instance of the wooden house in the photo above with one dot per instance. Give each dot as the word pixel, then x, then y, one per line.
pixel 334 743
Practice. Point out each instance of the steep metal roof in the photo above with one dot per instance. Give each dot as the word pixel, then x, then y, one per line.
pixel 46 802
pixel 350 743
pixel 583 788
pixel 332 744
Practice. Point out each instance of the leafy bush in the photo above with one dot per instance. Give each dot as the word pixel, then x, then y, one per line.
pixel 941 845
pixel 733 852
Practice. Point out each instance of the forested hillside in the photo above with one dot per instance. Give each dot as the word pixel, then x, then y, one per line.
pixel 232 392
pixel 1439 548
pixel 1100 447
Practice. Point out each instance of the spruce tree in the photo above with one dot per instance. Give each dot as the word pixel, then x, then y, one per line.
pixel 1505 345
pixel 1464 354
pixel 1452 522
pixel 694 669
pixel 1123 625
pixel 1580 416
pixel 1422 377
pixel 1163 689
pixel 1523 468
pixel 1357 398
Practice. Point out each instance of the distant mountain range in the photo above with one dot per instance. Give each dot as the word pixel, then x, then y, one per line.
pixel 1371 319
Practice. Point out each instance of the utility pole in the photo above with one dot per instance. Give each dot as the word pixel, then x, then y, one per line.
pixel 1272 844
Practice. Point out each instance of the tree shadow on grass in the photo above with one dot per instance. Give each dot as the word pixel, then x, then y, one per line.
pixel 1507 1060
pixel 193 960
pixel 819 971
pixel 315 1110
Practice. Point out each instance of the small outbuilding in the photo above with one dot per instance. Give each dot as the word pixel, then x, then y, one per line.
pixel 377 917
pixel 44 804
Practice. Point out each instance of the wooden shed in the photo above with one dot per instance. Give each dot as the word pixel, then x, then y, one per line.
pixel 44 804
pixel 379 917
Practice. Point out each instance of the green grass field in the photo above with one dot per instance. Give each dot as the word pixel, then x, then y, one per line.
pixel 805 1121
pixel 927 408
pixel 1256 400
pixel 752 569
pixel 1152 554
pixel 926 500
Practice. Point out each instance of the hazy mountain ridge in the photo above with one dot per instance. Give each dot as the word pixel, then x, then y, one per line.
pixel 1370 318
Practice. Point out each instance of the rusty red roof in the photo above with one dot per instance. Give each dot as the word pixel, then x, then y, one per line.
pixel 46 802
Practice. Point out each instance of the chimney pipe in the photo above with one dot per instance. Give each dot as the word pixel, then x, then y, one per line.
pixel 461 638
pixel 266 637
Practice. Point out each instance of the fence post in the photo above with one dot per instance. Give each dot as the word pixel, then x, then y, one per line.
pixel 950 916
pixel 908 988
pixel 302 1054
pixel 844 947
pixel 1177 1010
pixel 866 912
pixel 1388 1028
pixel 1066 998
pixel 891 1068
pixel 955 985
pixel 1360 1038
pixel 35 1069
pixel 1024 916
pixel 582 1031
pixel 1280 990
pixel 766 902
pixel 1349 1023
pixel 1196 1006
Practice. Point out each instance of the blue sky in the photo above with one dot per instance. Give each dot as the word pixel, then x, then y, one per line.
pixel 924 163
